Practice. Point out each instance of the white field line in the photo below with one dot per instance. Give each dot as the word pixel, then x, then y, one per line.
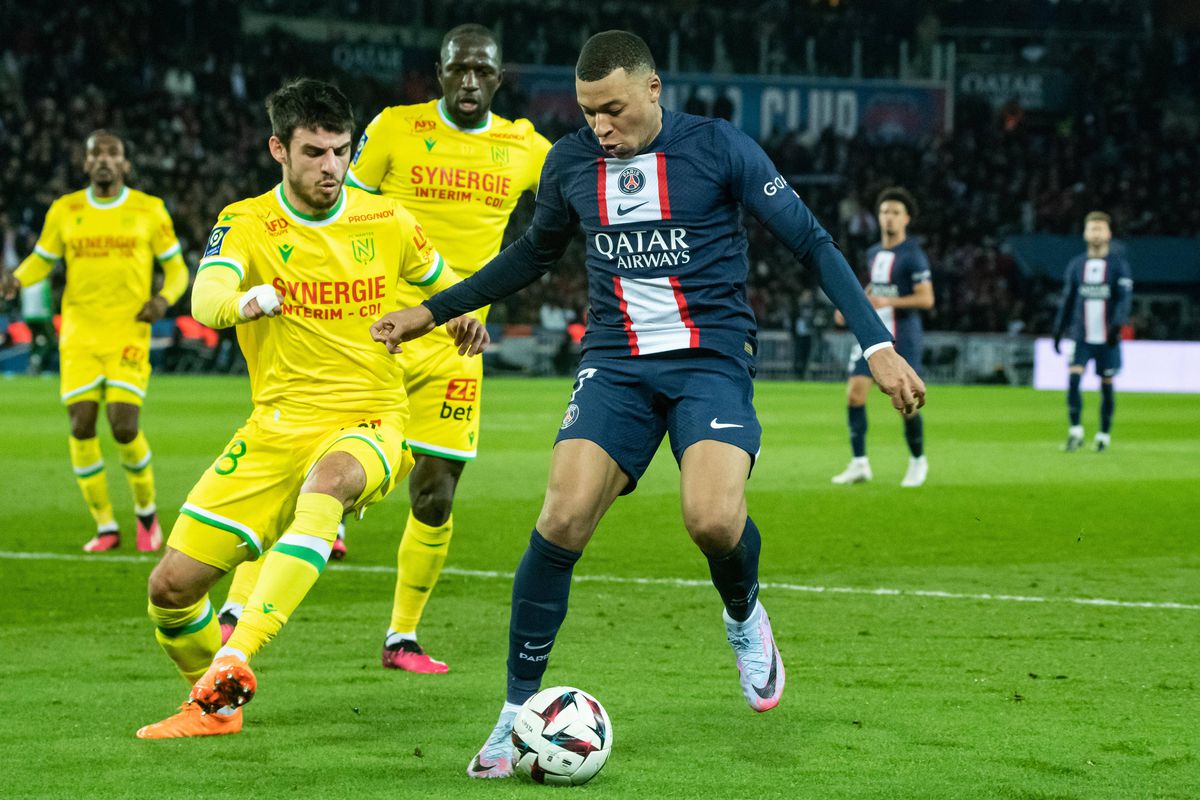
pixel 679 582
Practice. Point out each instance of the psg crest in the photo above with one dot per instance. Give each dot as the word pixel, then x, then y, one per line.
pixel 570 417
pixel 631 180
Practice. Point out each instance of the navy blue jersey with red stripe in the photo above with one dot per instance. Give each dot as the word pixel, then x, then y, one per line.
pixel 666 249
pixel 895 272
pixel 1097 295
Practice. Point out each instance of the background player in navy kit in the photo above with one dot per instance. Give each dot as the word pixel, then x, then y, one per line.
pixel 1097 295
pixel 669 347
pixel 900 288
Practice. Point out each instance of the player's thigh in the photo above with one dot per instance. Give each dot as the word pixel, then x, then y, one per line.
pixel 1108 361
pixel 712 399
pixel 245 498
pixel 378 448
pixel 584 481
pixel 127 373
pixel 81 376
pixel 712 493
pixel 612 406
pixel 445 396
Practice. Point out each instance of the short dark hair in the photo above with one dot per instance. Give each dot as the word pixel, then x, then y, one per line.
pixel 610 51
pixel 900 195
pixel 471 30
pixel 311 104
pixel 1098 216
pixel 106 133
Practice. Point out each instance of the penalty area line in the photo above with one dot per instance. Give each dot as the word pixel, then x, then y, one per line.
pixel 935 594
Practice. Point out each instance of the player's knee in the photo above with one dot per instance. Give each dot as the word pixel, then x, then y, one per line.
pixel 83 428
pixel 856 392
pixel 124 430
pixel 167 589
pixel 432 504
pixel 337 475
pixel 715 527
pixel 566 525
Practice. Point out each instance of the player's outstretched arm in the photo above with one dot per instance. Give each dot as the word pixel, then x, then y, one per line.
pixel 219 302
pixel 9 285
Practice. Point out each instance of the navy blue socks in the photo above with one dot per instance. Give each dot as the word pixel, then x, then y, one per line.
pixel 1108 404
pixel 914 434
pixel 539 606
pixel 1075 399
pixel 735 574
pixel 857 417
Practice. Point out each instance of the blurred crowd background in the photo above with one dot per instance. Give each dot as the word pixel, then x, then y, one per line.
pixel 184 82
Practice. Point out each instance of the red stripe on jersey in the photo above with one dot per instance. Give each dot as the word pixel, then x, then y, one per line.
pixel 664 199
pixel 633 341
pixel 684 315
pixel 601 176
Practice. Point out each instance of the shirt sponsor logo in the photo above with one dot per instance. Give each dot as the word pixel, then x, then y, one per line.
pixel 454 183
pixel 423 125
pixel 215 240
pixel 276 226
pixel 516 137
pixel 371 215
pixel 644 249
pixel 463 390
pixel 774 186
pixel 631 180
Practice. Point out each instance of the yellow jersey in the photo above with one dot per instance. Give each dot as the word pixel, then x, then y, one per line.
pixel 461 184
pixel 338 273
pixel 109 246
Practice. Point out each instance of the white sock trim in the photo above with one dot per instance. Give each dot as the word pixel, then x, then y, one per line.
pixel 396 637
pixel 231 607
pixel 142 512
pixel 509 708
pixel 230 651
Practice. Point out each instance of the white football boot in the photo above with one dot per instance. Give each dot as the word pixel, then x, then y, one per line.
pixel 494 759
pixel 859 471
pixel 759 664
pixel 918 471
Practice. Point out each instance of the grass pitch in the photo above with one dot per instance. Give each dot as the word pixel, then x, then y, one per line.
pixel 946 642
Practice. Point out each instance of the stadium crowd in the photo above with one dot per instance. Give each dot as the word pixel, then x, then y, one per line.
pixel 192 115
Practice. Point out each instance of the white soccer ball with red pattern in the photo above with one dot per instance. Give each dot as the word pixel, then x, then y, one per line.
pixel 561 736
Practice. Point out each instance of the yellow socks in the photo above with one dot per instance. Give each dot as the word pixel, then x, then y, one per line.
pixel 419 560
pixel 289 570
pixel 190 636
pixel 135 458
pixel 244 579
pixel 89 474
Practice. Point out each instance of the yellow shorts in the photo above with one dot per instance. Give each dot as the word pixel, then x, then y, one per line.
pixel 444 393
pixel 115 376
pixel 244 502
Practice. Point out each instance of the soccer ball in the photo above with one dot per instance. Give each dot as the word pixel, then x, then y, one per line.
pixel 561 736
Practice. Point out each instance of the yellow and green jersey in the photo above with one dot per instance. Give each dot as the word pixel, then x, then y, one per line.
pixel 338 273
pixel 461 184
pixel 109 246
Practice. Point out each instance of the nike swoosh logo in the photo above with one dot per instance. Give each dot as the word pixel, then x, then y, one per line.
pixel 768 689
pixel 716 426
pixel 529 646
pixel 622 210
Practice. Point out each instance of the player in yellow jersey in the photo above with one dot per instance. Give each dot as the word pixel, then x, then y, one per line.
pixel 301 271
pixel 109 237
pixel 460 170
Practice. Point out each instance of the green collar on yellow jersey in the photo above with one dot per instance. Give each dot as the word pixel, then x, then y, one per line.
pixel 311 220
pixel 483 126
pixel 107 202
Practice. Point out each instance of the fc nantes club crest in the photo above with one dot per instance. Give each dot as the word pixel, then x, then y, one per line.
pixel 363 248
pixel 500 154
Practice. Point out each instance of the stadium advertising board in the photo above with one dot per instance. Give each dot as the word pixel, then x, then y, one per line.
pixel 1146 367
pixel 764 105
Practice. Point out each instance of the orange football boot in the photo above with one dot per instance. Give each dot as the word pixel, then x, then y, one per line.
pixel 191 720
pixel 228 682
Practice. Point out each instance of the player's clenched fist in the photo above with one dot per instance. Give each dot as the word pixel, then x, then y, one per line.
pixel 897 380
pixel 261 301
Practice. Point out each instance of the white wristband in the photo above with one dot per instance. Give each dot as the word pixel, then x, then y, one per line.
pixel 267 299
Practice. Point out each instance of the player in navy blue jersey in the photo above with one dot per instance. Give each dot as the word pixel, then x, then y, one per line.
pixel 900 288
pixel 669 350
pixel 1097 295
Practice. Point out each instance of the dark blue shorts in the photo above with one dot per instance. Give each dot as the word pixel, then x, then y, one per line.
pixel 1107 357
pixel 909 348
pixel 626 405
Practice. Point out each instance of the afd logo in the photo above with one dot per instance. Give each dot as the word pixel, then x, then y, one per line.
pixel 215 240
pixel 631 180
